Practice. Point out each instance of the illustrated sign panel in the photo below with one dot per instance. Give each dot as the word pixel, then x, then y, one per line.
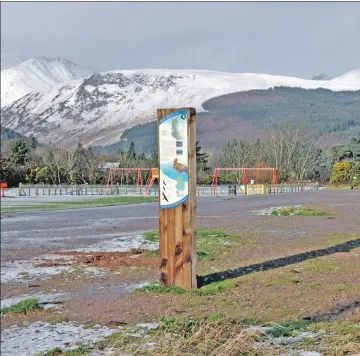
pixel 173 158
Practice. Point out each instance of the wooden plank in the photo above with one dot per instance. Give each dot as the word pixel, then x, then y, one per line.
pixel 177 222
pixel 192 193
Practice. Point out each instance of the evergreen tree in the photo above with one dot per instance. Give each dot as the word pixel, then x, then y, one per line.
pixel 131 151
pixel 347 152
pixel 19 154
pixel 201 159
pixel 81 164
pixel 33 143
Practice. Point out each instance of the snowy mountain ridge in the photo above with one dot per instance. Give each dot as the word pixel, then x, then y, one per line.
pixel 9 60
pixel 37 74
pixel 96 110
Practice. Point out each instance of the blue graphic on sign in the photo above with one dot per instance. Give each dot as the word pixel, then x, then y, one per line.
pixel 173 157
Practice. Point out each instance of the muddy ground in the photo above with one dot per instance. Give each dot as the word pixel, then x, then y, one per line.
pixel 92 260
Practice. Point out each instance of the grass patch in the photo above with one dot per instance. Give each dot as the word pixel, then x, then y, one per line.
pixel 21 307
pixel 210 243
pixel 156 288
pixel 215 317
pixel 151 236
pixel 216 287
pixel 178 325
pixel 298 211
pixel 210 289
pixel 90 203
pixel 339 328
pixel 80 351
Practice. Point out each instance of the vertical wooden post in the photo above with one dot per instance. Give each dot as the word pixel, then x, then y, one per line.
pixel 177 196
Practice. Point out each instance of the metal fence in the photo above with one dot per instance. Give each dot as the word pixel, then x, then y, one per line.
pixel 133 190
pixel 291 188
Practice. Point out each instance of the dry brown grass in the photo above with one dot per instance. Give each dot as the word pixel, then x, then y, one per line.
pixel 225 338
pixel 228 337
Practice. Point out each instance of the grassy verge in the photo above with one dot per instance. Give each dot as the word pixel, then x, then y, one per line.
pixel 298 211
pixel 218 335
pixel 21 307
pixel 91 203
pixel 210 243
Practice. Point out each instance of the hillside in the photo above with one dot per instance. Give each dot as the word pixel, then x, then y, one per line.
pixel 36 74
pixel 320 109
pixel 8 134
pixel 254 114
pixel 97 110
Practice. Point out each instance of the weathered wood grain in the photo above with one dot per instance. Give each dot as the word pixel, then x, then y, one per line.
pixel 178 226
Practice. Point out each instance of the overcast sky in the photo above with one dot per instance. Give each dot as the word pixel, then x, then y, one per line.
pixel 299 39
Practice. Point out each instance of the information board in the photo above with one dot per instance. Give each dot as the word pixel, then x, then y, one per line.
pixel 254 189
pixel 173 158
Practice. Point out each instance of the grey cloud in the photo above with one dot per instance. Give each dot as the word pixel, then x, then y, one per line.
pixel 299 39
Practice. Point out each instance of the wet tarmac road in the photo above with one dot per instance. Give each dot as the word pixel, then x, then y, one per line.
pixel 37 232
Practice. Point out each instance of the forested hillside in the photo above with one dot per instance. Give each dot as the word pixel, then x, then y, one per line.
pixel 8 134
pixel 334 116
pixel 321 109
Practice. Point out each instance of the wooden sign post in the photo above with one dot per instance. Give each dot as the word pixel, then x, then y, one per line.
pixel 177 196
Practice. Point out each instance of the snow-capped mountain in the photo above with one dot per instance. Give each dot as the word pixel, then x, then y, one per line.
pixel 9 60
pixel 96 110
pixel 321 76
pixel 37 74
pixel 352 77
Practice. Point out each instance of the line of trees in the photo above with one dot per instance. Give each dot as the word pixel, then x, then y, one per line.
pixel 294 153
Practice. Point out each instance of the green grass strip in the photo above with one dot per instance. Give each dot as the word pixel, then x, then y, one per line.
pixel 93 203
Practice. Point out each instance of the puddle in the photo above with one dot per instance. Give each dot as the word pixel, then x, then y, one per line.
pixel 27 270
pixel 23 271
pixel 39 337
pixel 54 300
pixel 121 244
